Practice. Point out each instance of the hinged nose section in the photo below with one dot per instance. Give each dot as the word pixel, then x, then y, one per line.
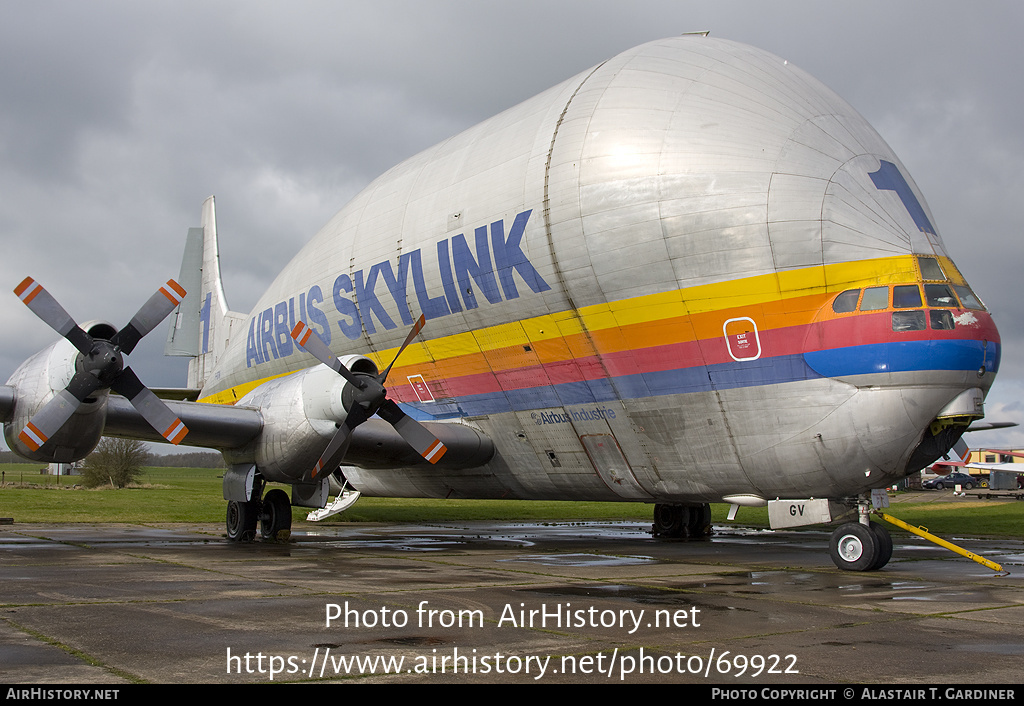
pixel 968 406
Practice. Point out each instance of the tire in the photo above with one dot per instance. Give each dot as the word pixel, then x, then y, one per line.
pixel 940 486
pixel 276 516
pixel 241 521
pixel 854 547
pixel 884 546
pixel 670 520
pixel 699 525
pixel 968 486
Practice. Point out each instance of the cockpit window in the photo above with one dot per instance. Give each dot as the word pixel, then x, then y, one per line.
pixel 939 295
pixel 846 302
pixel 906 296
pixel 930 268
pixel 875 298
pixel 967 298
pixel 908 320
pixel 941 320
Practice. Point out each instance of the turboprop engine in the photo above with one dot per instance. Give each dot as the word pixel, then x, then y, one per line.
pixel 37 381
pixel 301 413
pixel 60 395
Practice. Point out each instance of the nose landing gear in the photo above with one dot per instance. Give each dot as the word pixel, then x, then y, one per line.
pixel 860 547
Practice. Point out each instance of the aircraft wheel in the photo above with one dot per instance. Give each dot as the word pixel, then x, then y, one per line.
pixel 276 517
pixel 671 520
pixel 241 521
pixel 854 547
pixel 884 545
pixel 699 525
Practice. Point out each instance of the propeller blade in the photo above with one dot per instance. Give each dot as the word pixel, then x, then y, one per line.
pixel 335 452
pixel 48 420
pixel 408 339
pixel 151 407
pixel 308 339
pixel 149 316
pixel 49 310
pixel 416 435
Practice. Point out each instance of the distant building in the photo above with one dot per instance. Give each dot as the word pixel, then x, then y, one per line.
pixel 997 456
pixel 64 469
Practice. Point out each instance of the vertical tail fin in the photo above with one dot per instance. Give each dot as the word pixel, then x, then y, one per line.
pixel 202 325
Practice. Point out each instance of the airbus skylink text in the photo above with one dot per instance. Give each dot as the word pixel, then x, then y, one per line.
pixel 559 615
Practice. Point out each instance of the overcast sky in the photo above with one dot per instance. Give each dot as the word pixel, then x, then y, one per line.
pixel 118 118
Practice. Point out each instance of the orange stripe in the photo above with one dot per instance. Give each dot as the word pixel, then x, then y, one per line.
pixel 170 297
pixel 25 283
pixel 177 288
pixel 28 441
pixel 176 432
pixel 436 448
pixel 32 437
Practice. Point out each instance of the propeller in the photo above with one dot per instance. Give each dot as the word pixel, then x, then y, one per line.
pixel 369 398
pixel 100 364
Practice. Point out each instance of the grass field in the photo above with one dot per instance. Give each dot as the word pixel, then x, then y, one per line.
pixel 193 495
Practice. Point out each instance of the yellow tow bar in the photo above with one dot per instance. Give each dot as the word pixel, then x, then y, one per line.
pixel 923 532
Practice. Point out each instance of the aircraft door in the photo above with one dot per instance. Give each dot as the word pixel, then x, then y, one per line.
pixel 741 339
pixel 611 465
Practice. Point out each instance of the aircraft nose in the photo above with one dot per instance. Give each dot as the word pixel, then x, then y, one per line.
pixel 922 356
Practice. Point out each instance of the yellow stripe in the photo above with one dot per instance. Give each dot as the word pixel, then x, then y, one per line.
pixel 648 309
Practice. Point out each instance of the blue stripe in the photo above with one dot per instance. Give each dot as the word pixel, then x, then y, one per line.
pixel 903 356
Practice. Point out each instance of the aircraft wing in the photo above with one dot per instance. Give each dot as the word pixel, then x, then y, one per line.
pixel 374 444
pixel 209 425
pixel 989 426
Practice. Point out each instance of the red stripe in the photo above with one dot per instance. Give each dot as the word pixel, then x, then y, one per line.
pixel 842 332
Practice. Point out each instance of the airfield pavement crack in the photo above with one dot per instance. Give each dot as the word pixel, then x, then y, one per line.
pixel 76 653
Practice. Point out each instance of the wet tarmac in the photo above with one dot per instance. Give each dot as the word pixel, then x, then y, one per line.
pixel 497 602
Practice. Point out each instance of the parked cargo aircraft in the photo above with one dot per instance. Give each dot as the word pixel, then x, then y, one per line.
pixel 690 274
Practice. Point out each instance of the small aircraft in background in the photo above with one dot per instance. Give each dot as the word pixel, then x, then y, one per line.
pixel 690 274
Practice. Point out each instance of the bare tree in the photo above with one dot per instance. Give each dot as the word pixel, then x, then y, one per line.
pixel 115 461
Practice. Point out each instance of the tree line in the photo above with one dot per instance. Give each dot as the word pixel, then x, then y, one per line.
pixel 196 459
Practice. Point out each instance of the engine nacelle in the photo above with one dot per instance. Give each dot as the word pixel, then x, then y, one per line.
pixel 35 383
pixel 300 412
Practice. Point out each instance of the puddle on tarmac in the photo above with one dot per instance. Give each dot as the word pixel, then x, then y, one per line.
pixel 582 560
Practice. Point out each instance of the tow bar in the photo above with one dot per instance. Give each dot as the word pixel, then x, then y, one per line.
pixel 923 532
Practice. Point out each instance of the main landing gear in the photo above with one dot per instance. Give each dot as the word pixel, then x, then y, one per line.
pixel 274 514
pixel 682 521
